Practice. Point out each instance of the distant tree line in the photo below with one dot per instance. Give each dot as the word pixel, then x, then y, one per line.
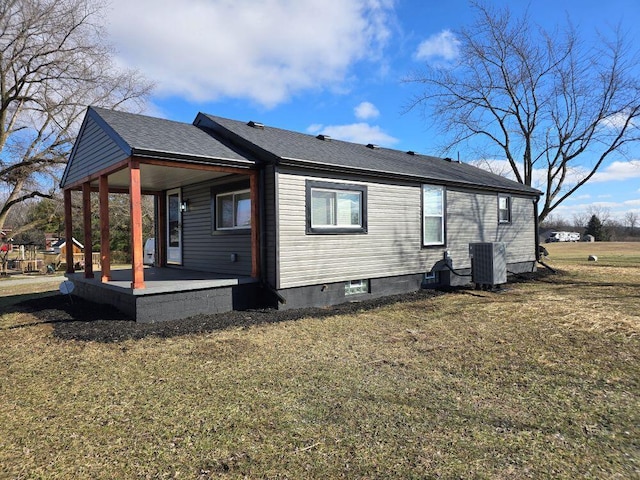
pixel 598 222
pixel 33 219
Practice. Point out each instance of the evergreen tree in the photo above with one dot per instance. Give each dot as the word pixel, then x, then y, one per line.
pixel 597 229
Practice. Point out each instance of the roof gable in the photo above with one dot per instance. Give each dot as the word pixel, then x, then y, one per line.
pixel 109 136
pixel 62 242
pixel 146 135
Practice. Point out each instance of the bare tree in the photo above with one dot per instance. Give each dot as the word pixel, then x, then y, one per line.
pixel 603 213
pixel 580 220
pixel 544 101
pixel 631 221
pixel 554 222
pixel 53 63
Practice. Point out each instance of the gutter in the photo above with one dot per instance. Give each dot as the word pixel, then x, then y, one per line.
pixel 537 228
pixel 537 238
pixel 195 159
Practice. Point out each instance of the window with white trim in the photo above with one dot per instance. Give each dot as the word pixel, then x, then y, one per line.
pixel 504 209
pixel 233 210
pixel 336 208
pixel 432 215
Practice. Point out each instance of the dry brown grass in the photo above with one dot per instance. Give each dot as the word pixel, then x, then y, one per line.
pixel 539 381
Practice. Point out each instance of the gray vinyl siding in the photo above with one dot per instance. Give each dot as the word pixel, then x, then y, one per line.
pixel 473 217
pixel 94 152
pixel 393 243
pixel 202 249
pixel 391 247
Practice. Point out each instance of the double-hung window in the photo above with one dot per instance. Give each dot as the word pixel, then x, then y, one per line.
pixel 433 204
pixel 336 208
pixel 233 210
pixel 504 209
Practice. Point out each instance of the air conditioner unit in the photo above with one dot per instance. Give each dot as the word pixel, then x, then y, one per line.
pixel 488 263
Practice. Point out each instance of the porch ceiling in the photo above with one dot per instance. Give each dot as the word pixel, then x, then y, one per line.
pixel 157 178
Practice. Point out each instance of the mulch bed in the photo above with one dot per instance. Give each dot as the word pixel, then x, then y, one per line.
pixel 79 319
pixel 83 320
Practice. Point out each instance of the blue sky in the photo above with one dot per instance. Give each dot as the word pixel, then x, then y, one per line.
pixel 334 66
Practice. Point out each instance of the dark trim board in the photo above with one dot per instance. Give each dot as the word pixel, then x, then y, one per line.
pixel 521 267
pixel 166 304
pixel 334 293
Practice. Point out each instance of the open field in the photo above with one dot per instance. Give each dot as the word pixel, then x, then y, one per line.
pixel 539 381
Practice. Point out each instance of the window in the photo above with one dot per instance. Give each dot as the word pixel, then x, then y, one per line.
pixel 355 287
pixel 336 208
pixel 233 210
pixel 504 209
pixel 432 215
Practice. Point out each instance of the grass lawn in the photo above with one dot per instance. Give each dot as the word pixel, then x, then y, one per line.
pixel 539 381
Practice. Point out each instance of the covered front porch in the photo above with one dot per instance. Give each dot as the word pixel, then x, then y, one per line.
pixel 159 177
pixel 188 172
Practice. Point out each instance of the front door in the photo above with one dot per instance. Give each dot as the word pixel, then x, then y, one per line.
pixel 174 227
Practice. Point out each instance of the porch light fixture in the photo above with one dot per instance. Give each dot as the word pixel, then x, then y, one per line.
pixel 184 206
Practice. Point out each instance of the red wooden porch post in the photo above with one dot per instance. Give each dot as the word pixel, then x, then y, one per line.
pixel 135 196
pixel 255 224
pixel 68 230
pixel 105 250
pixel 86 211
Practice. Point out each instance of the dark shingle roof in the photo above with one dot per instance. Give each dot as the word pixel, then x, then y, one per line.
pixel 145 136
pixel 307 150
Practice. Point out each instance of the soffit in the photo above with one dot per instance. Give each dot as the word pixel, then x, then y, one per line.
pixel 157 178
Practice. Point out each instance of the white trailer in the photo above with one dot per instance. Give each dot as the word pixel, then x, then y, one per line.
pixel 564 237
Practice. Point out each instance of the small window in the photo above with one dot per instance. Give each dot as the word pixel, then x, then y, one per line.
pixel 432 215
pixel 355 287
pixel 431 279
pixel 336 208
pixel 504 209
pixel 233 210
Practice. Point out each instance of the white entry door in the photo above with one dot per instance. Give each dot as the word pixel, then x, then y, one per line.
pixel 174 227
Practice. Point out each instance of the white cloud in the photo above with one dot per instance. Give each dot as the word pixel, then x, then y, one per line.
pixel 618 171
pixel 356 133
pixel 265 51
pixel 314 128
pixel 615 171
pixel 618 120
pixel 366 111
pixel 439 46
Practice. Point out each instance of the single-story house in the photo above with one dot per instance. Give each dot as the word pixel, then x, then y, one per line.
pixel 60 246
pixel 248 215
